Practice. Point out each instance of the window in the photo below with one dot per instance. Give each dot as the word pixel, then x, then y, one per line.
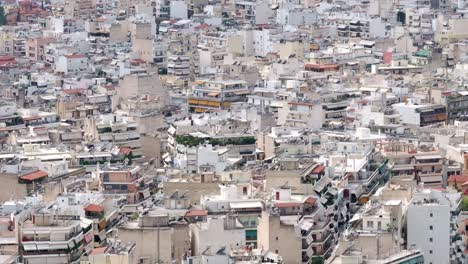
pixel 431 228
pixel 430 251
pixel 370 224
pixel 431 215
pixel 379 225
pixel 277 239
pixel 430 239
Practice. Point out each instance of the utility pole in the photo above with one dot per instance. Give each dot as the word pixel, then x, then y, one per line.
pixel 158 251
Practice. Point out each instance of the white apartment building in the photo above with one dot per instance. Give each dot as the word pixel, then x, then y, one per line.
pixel 301 114
pixel 429 224
pixel 71 64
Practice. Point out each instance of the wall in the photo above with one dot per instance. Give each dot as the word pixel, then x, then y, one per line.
pixel 213 235
pixel 419 231
pixel 10 188
pixel 278 238
pixel 146 242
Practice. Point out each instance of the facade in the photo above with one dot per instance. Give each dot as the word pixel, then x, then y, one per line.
pixel 208 95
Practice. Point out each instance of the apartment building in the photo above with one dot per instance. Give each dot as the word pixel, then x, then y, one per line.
pixel 47 238
pixel 433 235
pixel 125 181
pixel 210 95
pixel 156 238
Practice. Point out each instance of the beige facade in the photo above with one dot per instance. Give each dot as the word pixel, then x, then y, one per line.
pixel 118 32
pixel 6 41
pixel 156 241
pixel 291 48
pixel 279 238
pixel 151 147
pixel 144 49
pixel 133 85
pixel 11 188
pixel 192 189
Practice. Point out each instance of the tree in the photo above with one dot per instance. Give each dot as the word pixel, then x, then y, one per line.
pixel 464 204
pixel 3 20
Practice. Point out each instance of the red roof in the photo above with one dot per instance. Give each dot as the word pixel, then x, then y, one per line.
pixel 7 58
pixel 29 118
pixel 458 178
pixel 137 61
pixel 74 91
pixel 75 56
pixel 318 169
pixel 300 103
pixel 287 204
pixel 202 26
pixel 94 208
pixel 125 151
pixel 322 66
pixel 98 250
pixel 7 61
pixel 310 200
pixel 109 87
pixel 196 212
pixel 34 175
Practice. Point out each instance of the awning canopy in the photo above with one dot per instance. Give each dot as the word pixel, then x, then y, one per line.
pixel 242 205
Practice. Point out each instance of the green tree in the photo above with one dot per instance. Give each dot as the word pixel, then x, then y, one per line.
pixel 3 19
pixel 464 204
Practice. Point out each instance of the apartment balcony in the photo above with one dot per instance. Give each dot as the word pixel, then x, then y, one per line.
pixel 324 239
pixel 335 105
pixel 307 251
pixel 120 136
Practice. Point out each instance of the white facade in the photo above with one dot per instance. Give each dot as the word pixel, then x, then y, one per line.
pixel 296 114
pixel 207 155
pixel 178 10
pixel 71 64
pixel 7 108
pixel 214 235
pixel 428 229
pixel 262 42
pixel 408 114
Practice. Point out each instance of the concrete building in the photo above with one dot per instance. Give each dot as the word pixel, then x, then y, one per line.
pixel 45 239
pixel 301 114
pixel 420 115
pixel 433 235
pixel 72 64
pixel 216 94
pixel 216 234
pixel 156 238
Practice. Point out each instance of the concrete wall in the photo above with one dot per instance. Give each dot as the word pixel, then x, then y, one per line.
pixel 10 188
pixel 147 243
pixel 278 238
pixel 193 189
pixel 420 220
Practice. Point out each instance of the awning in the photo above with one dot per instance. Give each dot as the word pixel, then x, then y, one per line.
pixel 146 193
pixel 241 92
pixel 213 94
pixel 423 157
pixel 241 205
pixel 79 238
pixel 43 246
pixel 29 247
pixel 402 167
pixel 431 178
pixel 58 246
